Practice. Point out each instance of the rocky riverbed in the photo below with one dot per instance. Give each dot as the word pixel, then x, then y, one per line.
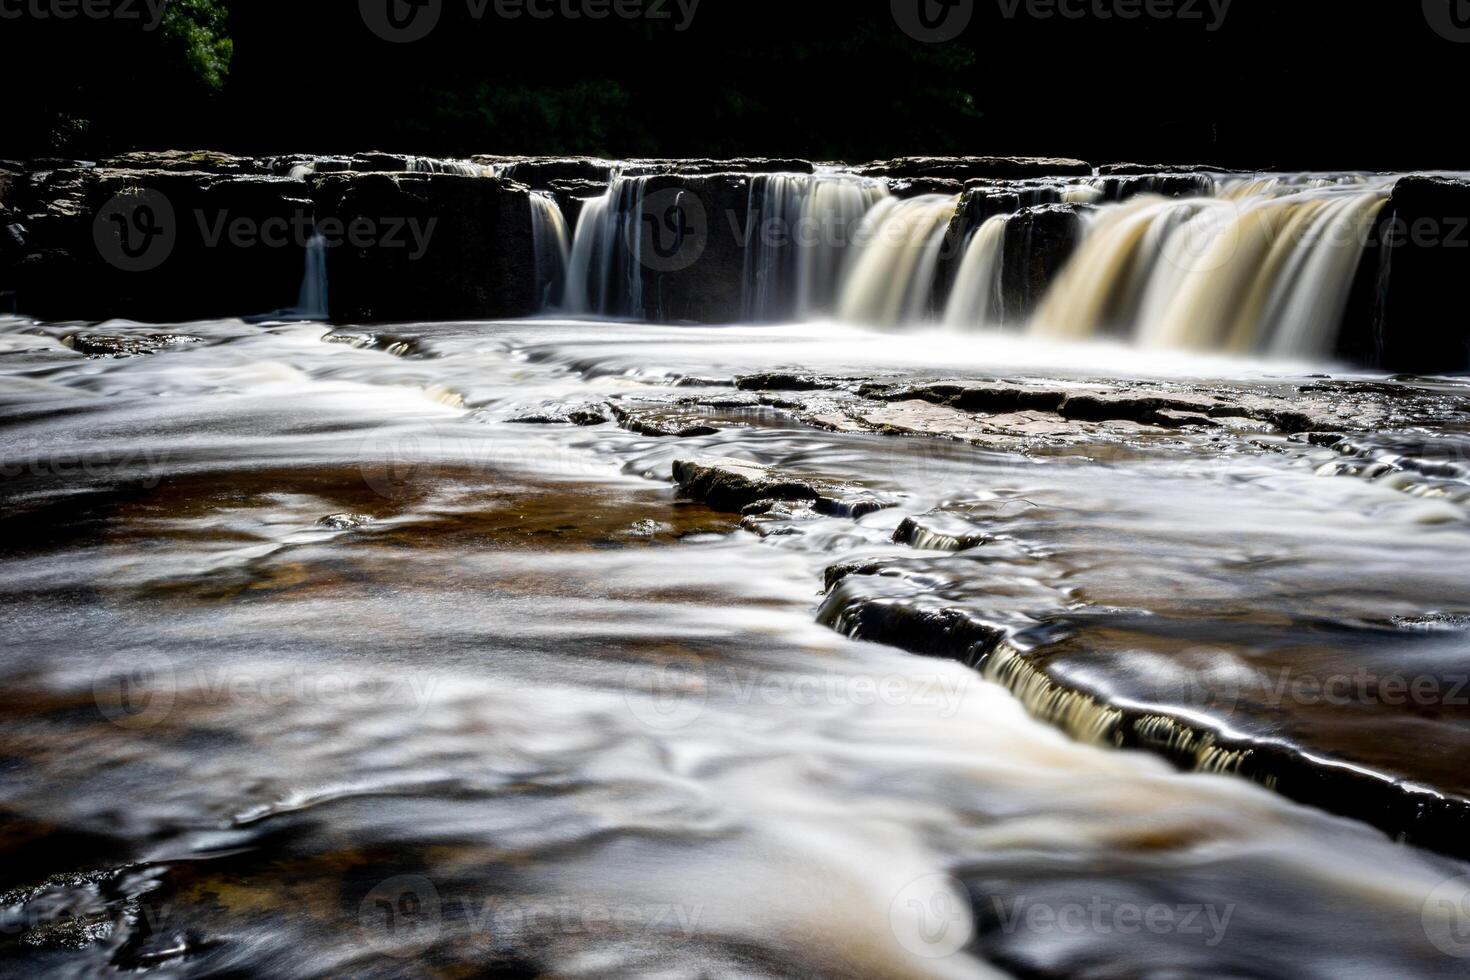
pixel 572 648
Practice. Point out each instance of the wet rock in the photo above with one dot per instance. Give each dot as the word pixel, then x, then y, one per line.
pixel 1165 185
pixel 136 345
pixel 693 251
pixel 1136 169
pixel 734 165
pixel 784 381
pixel 649 529
pixel 346 522
pixel 543 172
pixel 1423 260
pixel 443 247
pixel 198 161
pixel 972 168
pixel 940 531
pixel 582 413
pixel 663 422
pixel 919 186
pixel 732 485
pixel 972 396
pixel 1038 241
pixel 778 518
pixel 162 245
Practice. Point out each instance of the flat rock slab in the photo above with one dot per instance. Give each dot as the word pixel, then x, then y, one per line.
pixel 665 422
pixel 741 486
pixel 576 413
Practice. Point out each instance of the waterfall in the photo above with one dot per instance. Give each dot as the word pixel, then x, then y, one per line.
pixel 604 274
pixel 975 299
pixel 1268 265
pixel 892 279
pixel 553 251
pixel 1242 263
pixel 311 302
pixel 799 233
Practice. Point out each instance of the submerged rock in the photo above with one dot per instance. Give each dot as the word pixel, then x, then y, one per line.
pixel 346 522
pixel 100 345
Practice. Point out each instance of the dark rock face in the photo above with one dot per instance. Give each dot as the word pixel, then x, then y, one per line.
pixel 1421 247
pixel 976 168
pixel 1038 241
pixel 1165 184
pixel 436 246
pixel 695 271
pixel 161 245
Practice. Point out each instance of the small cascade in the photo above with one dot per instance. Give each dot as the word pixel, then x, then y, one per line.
pixel 891 280
pixel 800 231
pixel 553 250
pixel 604 273
pixel 1266 266
pixel 976 297
pixel 1087 192
pixel 311 303
pixel 460 168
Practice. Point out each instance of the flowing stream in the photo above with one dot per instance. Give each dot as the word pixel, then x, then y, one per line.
pixel 349 652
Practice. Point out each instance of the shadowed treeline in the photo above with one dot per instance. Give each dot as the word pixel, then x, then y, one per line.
pixel 1252 83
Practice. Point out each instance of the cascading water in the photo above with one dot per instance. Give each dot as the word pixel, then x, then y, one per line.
pixel 311 304
pixel 553 250
pixel 892 278
pixel 1244 264
pixel 975 298
pixel 604 276
pixel 1266 266
pixel 799 232
pixel 460 168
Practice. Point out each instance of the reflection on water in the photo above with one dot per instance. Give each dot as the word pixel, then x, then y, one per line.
pixel 315 664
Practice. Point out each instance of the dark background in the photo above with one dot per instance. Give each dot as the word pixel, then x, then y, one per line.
pixel 1283 84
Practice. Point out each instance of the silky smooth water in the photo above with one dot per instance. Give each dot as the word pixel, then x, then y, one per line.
pixel 520 710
